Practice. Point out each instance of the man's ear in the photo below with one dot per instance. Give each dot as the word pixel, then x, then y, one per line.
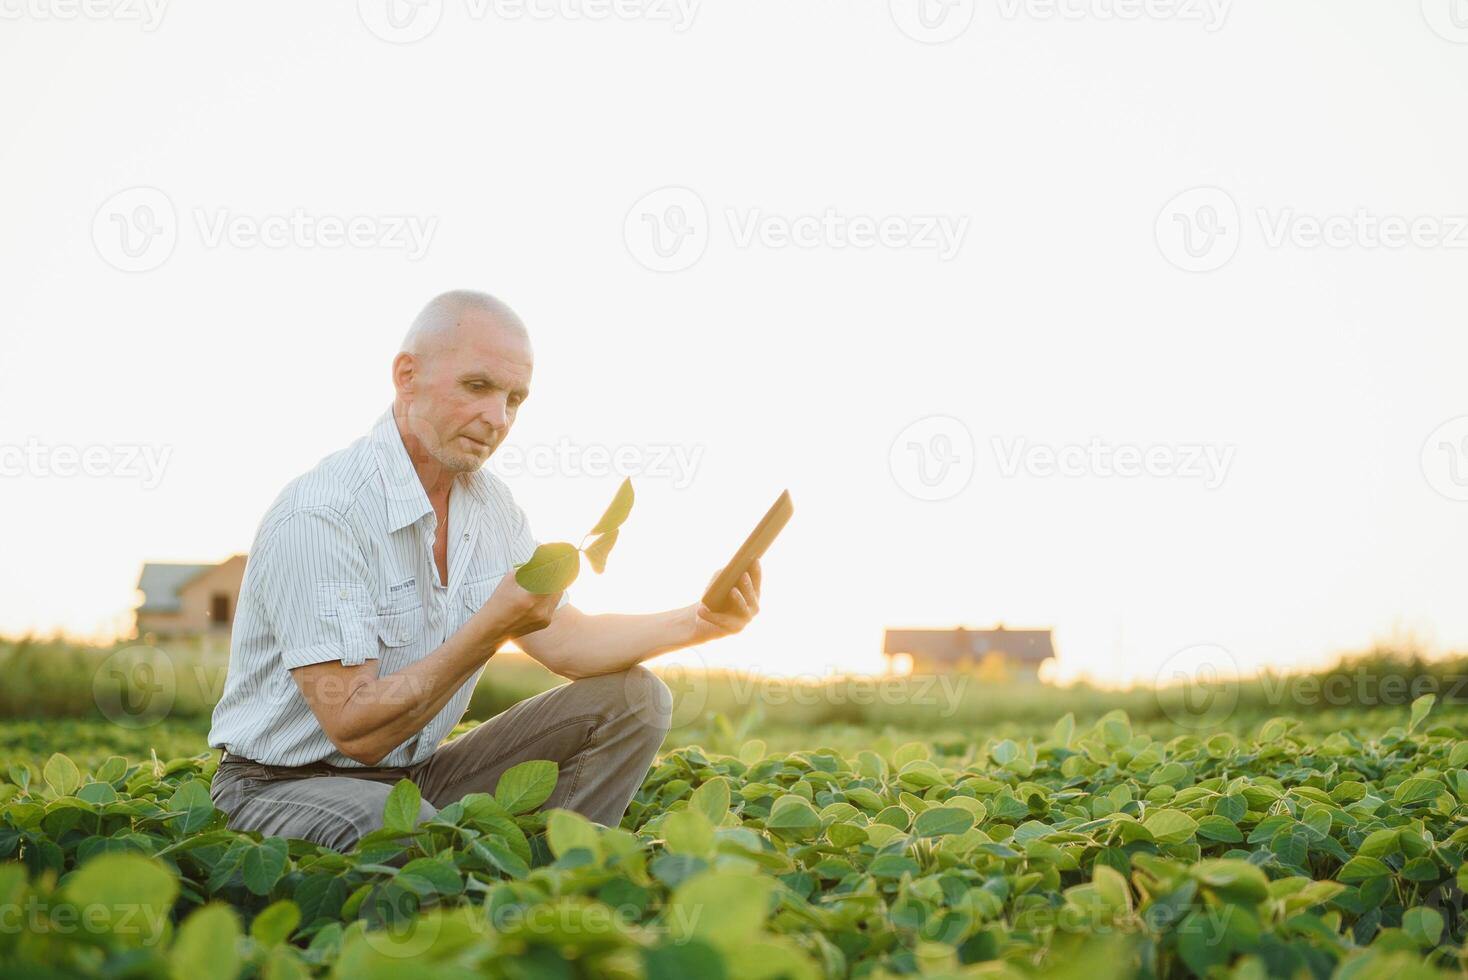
pixel 404 372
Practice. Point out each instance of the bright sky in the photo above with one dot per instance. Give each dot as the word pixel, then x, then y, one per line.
pixel 772 236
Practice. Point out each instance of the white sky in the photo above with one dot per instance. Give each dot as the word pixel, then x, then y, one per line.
pixel 525 146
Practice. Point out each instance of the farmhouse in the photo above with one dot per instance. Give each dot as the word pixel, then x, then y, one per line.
pixel 1003 654
pixel 188 601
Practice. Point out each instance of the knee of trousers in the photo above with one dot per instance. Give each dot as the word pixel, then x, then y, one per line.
pixel 637 695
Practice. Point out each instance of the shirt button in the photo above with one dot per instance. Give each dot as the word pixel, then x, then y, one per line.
pixel 342 594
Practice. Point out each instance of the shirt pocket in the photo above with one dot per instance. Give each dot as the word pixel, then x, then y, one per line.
pixel 474 595
pixel 401 636
pixel 346 613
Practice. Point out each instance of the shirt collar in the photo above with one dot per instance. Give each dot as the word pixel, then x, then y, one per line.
pixel 407 501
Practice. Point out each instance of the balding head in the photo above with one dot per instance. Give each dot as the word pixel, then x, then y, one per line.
pixel 438 325
pixel 462 373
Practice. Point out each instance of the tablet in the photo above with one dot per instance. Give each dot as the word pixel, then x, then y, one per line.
pixel 717 595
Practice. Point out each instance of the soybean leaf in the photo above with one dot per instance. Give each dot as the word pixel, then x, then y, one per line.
pixel 617 511
pixel 400 812
pixel 207 946
pixel 552 568
pixel 526 786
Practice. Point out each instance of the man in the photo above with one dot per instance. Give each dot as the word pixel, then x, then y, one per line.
pixel 381 582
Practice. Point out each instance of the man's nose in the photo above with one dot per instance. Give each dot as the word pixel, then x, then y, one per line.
pixel 496 414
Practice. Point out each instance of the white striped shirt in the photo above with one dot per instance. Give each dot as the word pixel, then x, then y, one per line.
pixel 342 569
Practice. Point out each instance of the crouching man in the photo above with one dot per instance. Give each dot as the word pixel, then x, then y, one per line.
pixel 378 586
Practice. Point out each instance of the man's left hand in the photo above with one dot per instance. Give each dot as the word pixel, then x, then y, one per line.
pixel 743 605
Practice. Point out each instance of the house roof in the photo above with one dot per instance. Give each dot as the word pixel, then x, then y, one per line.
pixel 951 646
pixel 161 582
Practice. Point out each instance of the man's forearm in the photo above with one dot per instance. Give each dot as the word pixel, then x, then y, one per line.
pixel 581 645
pixel 384 713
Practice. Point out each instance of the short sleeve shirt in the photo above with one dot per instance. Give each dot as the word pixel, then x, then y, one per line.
pixel 342 569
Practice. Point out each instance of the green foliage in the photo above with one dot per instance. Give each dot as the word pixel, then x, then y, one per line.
pixel 554 566
pixel 1102 850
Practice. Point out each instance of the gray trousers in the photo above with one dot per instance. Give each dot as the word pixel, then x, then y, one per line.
pixel 603 732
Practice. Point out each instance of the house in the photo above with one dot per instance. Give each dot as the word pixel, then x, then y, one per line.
pixel 184 601
pixel 999 653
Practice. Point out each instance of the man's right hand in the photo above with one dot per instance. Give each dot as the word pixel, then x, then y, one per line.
pixel 516 612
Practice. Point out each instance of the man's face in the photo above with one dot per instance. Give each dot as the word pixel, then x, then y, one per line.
pixel 467 392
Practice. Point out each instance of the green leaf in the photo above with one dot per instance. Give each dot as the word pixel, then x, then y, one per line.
pixel 1423 924
pixel 942 821
pixel 1360 868
pixel 1170 826
pixel 276 923
pixel 61 774
pixel 113 889
pixel 722 908
pixel 552 568
pixel 207 946
pixel 1233 879
pixel 1418 789
pixel 192 800
pixel 264 864
pixel 617 511
pixel 526 786
pixel 1420 709
pixel 567 830
pixel 596 552
pixel 792 817
pixel 1214 827
pixel 688 832
pixel 400 811
pixel 712 800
